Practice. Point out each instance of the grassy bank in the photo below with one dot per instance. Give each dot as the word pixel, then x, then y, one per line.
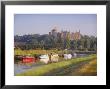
pixel 33 52
pixel 42 70
pixel 41 51
pixel 88 69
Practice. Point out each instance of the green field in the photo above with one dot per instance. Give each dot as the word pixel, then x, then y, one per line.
pixel 64 67
pixel 41 51
pixel 35 52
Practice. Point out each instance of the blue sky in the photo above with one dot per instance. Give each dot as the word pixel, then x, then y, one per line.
pixel 43 23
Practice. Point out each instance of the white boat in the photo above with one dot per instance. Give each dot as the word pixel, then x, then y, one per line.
pixel 67 56
pixel 43 56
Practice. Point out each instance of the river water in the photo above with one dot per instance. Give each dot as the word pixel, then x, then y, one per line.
pixel 19 68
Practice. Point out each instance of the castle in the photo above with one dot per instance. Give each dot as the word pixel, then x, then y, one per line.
pixel 64 34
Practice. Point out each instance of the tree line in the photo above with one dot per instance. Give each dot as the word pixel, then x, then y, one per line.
pixel 36 41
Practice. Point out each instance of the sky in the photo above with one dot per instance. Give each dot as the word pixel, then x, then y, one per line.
pixel 44 23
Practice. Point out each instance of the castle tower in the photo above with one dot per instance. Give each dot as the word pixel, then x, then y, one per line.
pixel 54 32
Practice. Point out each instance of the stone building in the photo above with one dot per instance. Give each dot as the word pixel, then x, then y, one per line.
pixel 64 34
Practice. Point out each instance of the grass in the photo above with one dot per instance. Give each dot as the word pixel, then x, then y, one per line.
pixel 33 52
pixel 42 70
pixel 41 51
pixel 89 69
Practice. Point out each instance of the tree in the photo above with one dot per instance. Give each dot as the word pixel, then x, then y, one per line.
pixel 68 40
pixel 75 44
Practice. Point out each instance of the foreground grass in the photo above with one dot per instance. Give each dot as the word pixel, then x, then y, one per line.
pixel 42 70
pixel 89 69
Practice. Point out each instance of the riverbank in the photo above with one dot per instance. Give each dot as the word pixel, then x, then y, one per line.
pixel 46 69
